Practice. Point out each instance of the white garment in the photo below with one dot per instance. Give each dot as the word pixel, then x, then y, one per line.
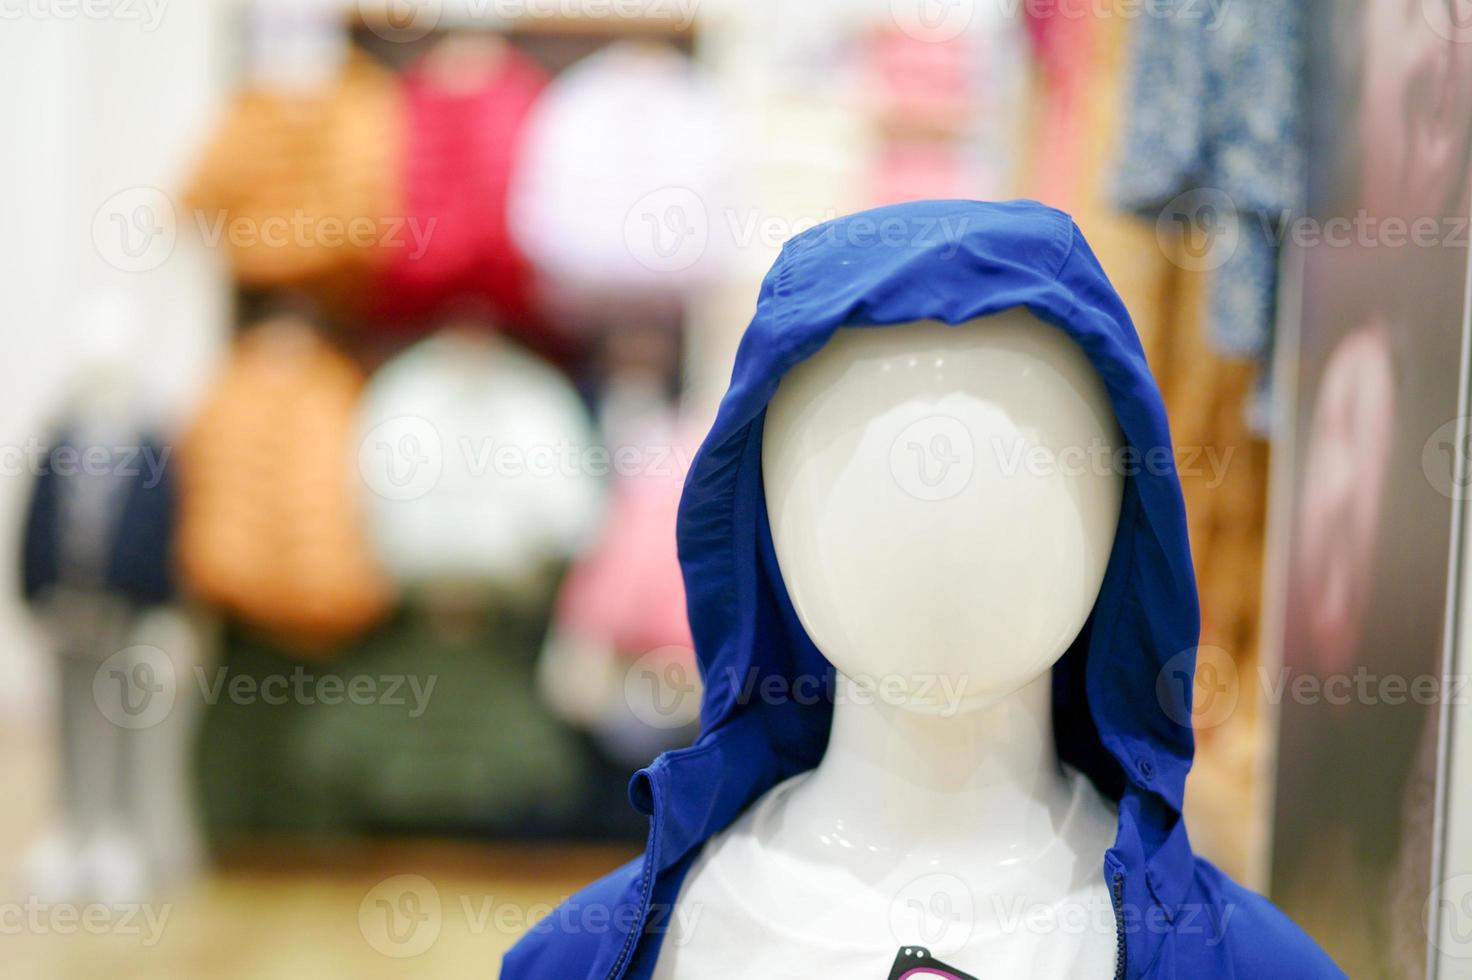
pixel 478 462
pixel 619 191
pixel 716 931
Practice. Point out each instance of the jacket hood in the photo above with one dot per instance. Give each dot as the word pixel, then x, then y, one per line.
pixel 1121 691
pixel 950 261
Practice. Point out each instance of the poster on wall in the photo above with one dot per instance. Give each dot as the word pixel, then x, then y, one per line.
pixel 1384 254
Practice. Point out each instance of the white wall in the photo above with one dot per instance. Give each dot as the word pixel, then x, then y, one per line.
pixel 1450 908
pixel 90 107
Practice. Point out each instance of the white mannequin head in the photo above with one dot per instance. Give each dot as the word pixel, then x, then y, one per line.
pixel 943 501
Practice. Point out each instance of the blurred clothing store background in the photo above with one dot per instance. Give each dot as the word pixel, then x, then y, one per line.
pixel 356 352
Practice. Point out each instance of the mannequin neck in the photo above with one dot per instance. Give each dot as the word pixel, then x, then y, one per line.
pixel 895 779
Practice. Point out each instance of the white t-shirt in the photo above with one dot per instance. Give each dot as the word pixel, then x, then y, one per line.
pixel 468 458
pixel 718 930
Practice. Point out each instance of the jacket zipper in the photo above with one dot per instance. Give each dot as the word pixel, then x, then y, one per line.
pixel 646 889
pixel 1119 947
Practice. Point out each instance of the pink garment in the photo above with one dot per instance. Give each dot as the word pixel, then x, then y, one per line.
pixel 934 79
pixel 627 592
pixel 620 196
pixel 908 172
pixel 1063 43
pixel 460 148
pixel 930 99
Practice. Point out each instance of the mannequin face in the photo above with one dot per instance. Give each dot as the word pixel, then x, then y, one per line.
pixel 943 501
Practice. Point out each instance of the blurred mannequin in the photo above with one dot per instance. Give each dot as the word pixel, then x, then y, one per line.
pixel 942 510
pixel 96 569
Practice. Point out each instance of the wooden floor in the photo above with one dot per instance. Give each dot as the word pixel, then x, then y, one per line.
pixel 279 912
pixel 393 911
pixel 357 912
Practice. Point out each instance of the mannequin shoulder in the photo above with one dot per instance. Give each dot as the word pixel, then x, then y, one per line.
pixel 742 858
pixel 1093 819
pixel 761 827
pixel 562 944
pixel 1250 931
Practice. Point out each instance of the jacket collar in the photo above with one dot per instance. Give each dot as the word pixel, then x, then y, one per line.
pixel 694 793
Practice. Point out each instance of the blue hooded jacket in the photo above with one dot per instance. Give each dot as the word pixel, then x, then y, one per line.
pixel 1177 916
